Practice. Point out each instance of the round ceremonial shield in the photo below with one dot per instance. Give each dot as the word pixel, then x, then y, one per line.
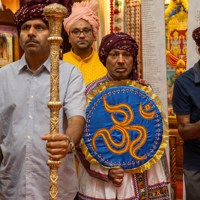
pixel 125 126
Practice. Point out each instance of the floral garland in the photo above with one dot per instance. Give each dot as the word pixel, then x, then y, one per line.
pixel 111 15
pixel 133 9
pixel 116 16
pixel 133 24
pixel 119 16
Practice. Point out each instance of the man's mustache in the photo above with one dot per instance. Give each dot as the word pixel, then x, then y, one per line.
pixel 31 40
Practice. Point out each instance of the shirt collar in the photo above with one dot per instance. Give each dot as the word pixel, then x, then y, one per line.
pixel 79 58
pixel 108 77
pixel 24 66
pixel 197 72
pixel 22 63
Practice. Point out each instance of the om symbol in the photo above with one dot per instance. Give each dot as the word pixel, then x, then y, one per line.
pixel 124 126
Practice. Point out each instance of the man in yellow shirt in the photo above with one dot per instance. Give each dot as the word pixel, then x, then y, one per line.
pixel 82 27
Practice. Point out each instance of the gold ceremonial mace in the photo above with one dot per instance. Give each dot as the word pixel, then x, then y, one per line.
pixel 55 14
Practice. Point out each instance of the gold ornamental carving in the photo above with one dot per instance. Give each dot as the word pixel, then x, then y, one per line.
pixel 55 14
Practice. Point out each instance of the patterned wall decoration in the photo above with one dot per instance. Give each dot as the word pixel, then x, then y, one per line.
pixel 116 16
pixel 133 25
pixel 133 18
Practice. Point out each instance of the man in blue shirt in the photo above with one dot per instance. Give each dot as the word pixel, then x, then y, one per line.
pixel 25 116
pixel 186 105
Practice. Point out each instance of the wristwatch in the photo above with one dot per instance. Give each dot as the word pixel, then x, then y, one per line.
pixel 71 145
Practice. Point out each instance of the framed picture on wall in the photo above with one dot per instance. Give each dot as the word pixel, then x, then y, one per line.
pixel 9 40
pixel 6 48
pixel 6 44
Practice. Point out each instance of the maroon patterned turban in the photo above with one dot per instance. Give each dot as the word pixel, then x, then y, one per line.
pixel 33 9
pixel 196 36
pixel 121 41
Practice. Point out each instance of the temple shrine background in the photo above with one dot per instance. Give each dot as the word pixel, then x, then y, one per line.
pixel 124 15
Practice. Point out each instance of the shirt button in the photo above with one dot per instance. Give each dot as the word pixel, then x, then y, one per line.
pixel 29 137
pixel 30 117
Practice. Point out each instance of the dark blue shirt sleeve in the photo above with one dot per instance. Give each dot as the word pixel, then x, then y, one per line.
pixel 181 99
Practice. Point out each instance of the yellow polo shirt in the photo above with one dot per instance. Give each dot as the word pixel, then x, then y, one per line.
pixel 91 67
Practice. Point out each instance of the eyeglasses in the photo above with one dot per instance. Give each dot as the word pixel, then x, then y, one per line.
pixel 85 31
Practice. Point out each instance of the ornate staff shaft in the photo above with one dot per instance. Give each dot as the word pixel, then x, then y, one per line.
pixel 55 14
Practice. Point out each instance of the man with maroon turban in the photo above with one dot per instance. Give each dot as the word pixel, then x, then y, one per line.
pixel 118 53
pixel 186 105
pixel 82 28
pixel 25 144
